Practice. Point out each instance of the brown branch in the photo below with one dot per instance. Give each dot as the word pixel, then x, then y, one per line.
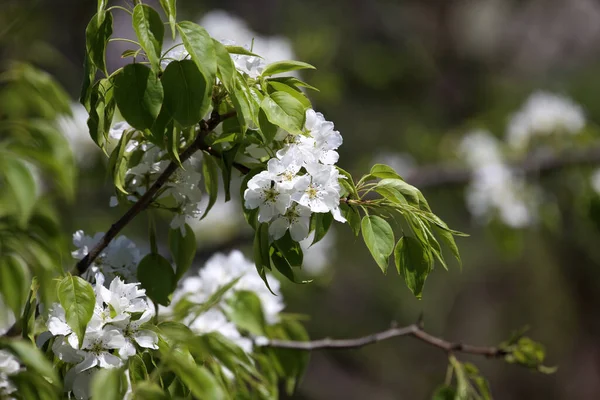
pixel 198 144
pixel 413 330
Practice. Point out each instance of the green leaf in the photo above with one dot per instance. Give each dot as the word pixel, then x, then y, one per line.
pixel 183 249
pixel 200 46
pixel 444 393
pixel 20 183
pixel 284 110
pixel 410 192
pixel 77 298
pixel 261 250
pixel 150 31
pixel 379 238
pixel 101 111
pixel 267 129
pixel 137 369
pixel 118 161
pixel 352 217
pixel 187 96
pixel 211 181
pixel 228 158
pixel 197 379
pixel 285 66
pixel 97 34
pixel 290 249
pixel 448 239
pixel 225 67
pixel 33 359
pixel 383 171
pixel 320 224
pixel 147 390
pixel 282 87
pixel 347 183
pixel 139 95
pixel 293 82
pixel 157 277
pixel 240 50
pixel 170 9
pixel 32 386
pixel 14 279
pixel 108 384
pixel 413 262
pixel 245 310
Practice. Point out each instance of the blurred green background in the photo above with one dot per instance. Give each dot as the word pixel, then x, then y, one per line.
pixel 407 77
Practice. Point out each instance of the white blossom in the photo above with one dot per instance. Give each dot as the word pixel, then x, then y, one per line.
pixel 494 189
pixel 9 365
pixel 219 271
pixel 120 258
pixel 296 219
pixel 74 128
pixel 544 113
pixel 270 197
pixel 319 190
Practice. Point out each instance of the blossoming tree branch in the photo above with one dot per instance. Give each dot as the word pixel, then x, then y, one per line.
pixel 179 123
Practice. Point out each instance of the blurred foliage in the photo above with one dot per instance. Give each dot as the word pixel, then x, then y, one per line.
pixel 396 75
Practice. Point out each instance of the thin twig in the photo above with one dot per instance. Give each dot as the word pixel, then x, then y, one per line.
pixel 411 330
pixel 198 144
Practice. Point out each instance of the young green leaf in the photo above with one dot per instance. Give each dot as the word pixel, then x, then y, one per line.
pixel 210 174
pixel 157 277
pixel 187 96
pixel 352 217
pixel 379 238
pixel 285 66
pixel 413 262
pixel 410 192
pixel 383 171
pixel 227 158
pixel 245 310
pixel 35 361
pixel 240 50
pixel 20 183
pixel 267 129
pixel 139 95
pixel 285 111
pixel 108 384
pixel 77 298
pixel 448 239
pixel 170 9
pixel 290 249
pixel 97 34
pixel 183 249
pixel 225 67
pixel 199 45
pixel 150 31
pixel 14 278
pixel 201 383
pixel 320 224
pixel 282 87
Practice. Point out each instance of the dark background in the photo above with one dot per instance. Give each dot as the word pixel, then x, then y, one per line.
pixel 411 77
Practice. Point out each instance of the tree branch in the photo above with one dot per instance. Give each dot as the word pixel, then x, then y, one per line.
pixel 413 330
pixel 198 144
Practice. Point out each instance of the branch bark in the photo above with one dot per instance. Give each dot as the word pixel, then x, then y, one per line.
pixel 198 144
pixel 413 330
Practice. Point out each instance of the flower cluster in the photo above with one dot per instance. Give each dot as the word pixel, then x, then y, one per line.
pixel 544 114
pixel 494 187
pixel 9 365
pixel 119 259
pixel 114 333
pixel 181 193
pixel 219 271
pixel 299 181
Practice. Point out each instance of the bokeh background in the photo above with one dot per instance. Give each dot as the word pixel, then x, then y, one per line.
pixel 404 82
